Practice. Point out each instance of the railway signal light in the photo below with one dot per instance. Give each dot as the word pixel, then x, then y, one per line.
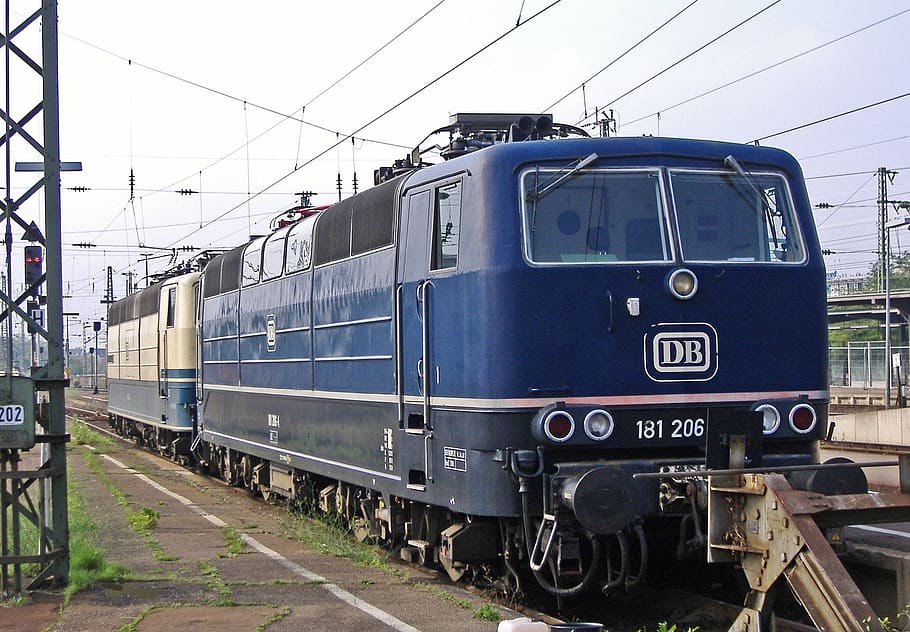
pixel 34 264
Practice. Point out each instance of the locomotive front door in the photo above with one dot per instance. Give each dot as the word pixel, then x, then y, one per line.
pixel 428 258
pixel 166 316
pixel 413 331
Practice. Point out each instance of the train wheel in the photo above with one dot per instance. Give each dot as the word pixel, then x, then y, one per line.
pixel 246 471
pixel 228 468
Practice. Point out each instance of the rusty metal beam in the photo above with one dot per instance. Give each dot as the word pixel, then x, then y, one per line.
pixel 824 587
pixel 838 511
pixel 774 532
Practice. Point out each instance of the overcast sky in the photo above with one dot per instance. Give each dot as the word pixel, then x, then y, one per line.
pixel 201 105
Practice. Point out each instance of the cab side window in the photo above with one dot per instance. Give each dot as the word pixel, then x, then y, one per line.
pixel 446 227
pixel 171 306
pixel 252 263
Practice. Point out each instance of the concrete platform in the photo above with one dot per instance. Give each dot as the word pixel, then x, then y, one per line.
pixel 185 577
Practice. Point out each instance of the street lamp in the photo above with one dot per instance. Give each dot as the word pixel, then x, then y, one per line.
pixel 904 221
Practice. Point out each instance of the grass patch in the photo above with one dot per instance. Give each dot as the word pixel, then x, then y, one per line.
pixel 144 520
pixel 485 612
pixel 81 434
pixel 88 564
pixel 214 581
pixel 329 535
pixel 445 595
pixel 141 521
pixel 232 540
pixel 275 618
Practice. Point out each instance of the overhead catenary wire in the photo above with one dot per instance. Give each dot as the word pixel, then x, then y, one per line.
pixel 284 118
pixel 832 117
pixel 853 173
pixel 390 109
pixel 854 147
pixel 581 86
pixel 850 197
pixel 750 75
pixel 374 53
pixel 684 58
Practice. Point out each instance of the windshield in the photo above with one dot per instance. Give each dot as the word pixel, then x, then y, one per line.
pixel 620 215
pixel 595 216
pixel 725 217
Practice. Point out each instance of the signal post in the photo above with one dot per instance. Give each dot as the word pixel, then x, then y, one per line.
pixel 37 498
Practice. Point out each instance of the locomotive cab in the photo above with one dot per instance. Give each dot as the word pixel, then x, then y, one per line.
pixel 616 306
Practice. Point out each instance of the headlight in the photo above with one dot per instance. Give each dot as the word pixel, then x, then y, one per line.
pixel 770 418
pixel 598 425
pixel 683 284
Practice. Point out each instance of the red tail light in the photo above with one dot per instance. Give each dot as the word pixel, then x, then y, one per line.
pixel 559 426
pixel 803 418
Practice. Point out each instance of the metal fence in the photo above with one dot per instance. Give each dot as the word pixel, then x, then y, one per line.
pixel 863 364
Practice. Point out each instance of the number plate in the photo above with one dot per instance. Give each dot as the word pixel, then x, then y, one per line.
pixel 662 427
pixel 12 415
pixel 669 427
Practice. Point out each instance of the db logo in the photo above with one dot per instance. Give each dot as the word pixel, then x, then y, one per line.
pixel 681 352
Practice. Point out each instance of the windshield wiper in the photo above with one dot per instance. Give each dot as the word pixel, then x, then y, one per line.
pixel 536 195
pixel 731 162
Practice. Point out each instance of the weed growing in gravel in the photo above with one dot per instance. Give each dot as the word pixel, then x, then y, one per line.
pixel 215 583
pixel 141 521
pixel 131 626
pixel 144 520
pixel 233 541
pixel 81 434
pixel 485 612
pixel 332 537
pixel 275 618
pixel 87 562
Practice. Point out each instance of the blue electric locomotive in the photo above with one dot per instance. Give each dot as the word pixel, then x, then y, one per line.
pixel 476 356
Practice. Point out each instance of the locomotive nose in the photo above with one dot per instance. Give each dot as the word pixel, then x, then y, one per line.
pixel 601 499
